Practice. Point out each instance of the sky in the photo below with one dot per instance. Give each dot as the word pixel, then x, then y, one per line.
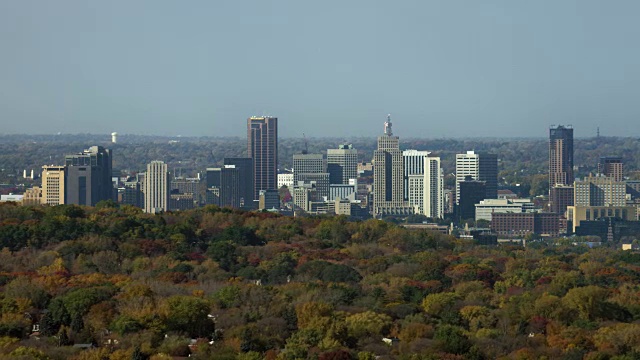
pixel 448 68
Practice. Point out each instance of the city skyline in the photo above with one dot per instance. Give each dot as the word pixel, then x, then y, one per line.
pixel 442 69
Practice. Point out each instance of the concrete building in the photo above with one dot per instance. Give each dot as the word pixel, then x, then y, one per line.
pixel 285 179
pixel 342 164
pixel 308 164
pixel 433 203
pixel 481 167
pixel 487 207
pixel 157 187
pixel 262 147
pixel 611 166
pixel 388 176
pixel 580 213
pixel 12 198
pixel 303 195
pixel 32 196
pixel 54 184
pixel 600 191
pixel 343 191
pixel 413 164
pixel 560 155
pixel 89 177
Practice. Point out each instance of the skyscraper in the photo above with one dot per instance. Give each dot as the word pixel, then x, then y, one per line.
pixel 262 147
pixel 481 167
pixel 53 185
pixel 342 164
pixel 244 167
pixel 413 164
pixel 388 176
pixel 433 203
pixel 156 187
pixel 89 176
pixel 560 155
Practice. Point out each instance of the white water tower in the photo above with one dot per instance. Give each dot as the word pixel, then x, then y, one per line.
pixel 114 137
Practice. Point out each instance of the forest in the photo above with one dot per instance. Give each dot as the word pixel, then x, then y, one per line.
pixel 111 282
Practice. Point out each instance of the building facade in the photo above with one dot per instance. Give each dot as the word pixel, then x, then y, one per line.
pixel 560 155
pixel 600 191
pixel 481 167
pixel 54 185
pixel 89 176
pixel 611 166
pixel 156 187
pixel 262 147
pixel 388 176
pixel 342 164
pixel 244 167
pixel 519 224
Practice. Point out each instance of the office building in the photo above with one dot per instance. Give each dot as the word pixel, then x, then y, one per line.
pixel 308 164
pixel 244 167
pixel 481 167
pixel 285 179
pixel 181 202
pixel 413 164
pixel 487 207
pixel 520 224
pixel 583 213
pixel 262 147
pixel 611 166
pixel 223 186
pixel 600 191
pixel 560 196
pixel 268 200
pixel 433 203
pixel 132 195
pixel 560 155
pixel 343 191
pixel 89 177
pixel 471 193
pixel 320 180
pixel 156 187
pixel 388 176
pixel 342 164
pixel 54 180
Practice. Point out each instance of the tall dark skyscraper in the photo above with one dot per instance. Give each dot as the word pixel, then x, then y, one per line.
pixel 262 147
pixel 560 155
pixel 244 167
pixel 89 176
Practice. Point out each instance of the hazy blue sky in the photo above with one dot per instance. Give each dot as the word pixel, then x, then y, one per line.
pixel 327 68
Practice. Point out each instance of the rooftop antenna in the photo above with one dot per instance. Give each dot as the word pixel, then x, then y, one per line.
pixel 306 145
pixel 598 132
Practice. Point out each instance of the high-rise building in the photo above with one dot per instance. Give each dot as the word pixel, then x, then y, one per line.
pixel 54 185
pixel 244 167
pixel 131 194
pixel 611 166
pixel 560 196
pixel 262 147
pixel 413 164
pixel 471 193
pixel 433 203
pixel 423 183
pixel 223 184
pixel 388 176
pixel 342 164
pixel 600 191
pixel 481 167
pixel 560 155
pixel 89 176
pixel 308 164
pixel 269 199
pixel 156 187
